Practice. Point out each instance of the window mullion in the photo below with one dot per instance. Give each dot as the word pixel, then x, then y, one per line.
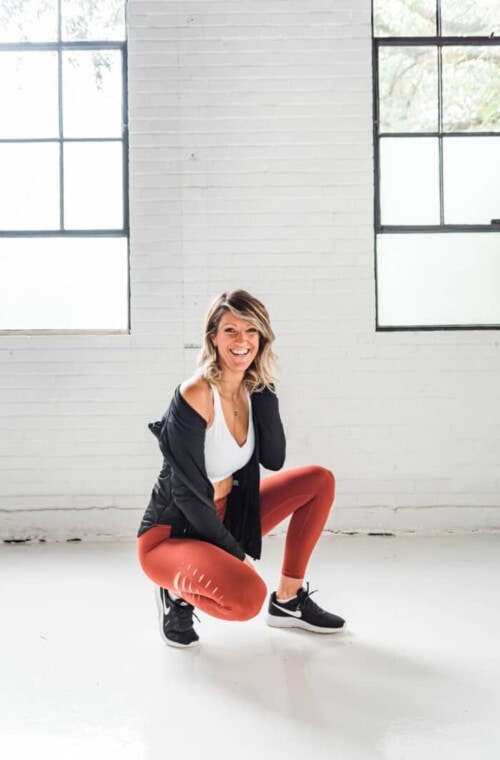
pixel 376 134
pixel 124 133
pixel 60 119
pixel 61 127
pixel 440 130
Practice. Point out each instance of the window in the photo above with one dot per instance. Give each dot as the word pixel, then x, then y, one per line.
pixel 63 166
pixel 437 163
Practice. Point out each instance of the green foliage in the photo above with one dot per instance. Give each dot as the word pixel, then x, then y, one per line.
pixel 408 76
pixel 36 20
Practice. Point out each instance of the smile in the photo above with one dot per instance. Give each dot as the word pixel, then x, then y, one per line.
pixel 242 352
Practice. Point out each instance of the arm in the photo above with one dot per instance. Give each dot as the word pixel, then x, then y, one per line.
pixel 203 517
pixel 269 429
pixel 181 435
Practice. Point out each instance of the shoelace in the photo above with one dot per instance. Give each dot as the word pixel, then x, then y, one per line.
pixel 305 600
pixel 185 612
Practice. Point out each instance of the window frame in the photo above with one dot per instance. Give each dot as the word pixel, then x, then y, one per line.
pixel 59 47
pixel 437 41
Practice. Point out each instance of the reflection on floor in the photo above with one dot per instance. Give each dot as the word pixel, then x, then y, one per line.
pixel 84 674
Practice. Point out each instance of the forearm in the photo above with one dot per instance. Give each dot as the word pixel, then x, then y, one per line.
pixel 271 435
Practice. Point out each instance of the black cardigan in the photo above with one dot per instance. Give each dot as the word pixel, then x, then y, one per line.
pixel 183 497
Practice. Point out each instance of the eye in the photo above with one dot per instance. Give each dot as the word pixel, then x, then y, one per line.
pixel 252 330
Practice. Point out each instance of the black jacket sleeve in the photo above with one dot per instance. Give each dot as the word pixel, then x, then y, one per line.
pixel 269 429
pixel 182 441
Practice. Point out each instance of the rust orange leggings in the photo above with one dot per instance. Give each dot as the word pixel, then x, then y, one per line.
pixel 219 583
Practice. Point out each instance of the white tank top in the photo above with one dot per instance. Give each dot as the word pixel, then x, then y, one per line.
pixel 223 455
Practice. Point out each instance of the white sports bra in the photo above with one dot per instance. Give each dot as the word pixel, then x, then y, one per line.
pixel 223 455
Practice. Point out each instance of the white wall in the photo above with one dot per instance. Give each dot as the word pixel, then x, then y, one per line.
pixel 251 166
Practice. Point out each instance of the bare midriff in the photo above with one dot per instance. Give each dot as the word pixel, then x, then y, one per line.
pixel 223 488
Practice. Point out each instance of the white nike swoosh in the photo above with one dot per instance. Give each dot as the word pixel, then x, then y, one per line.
pixel 288 612
pixel 166 609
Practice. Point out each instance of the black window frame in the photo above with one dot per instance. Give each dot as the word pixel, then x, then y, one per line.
pixel 60 46
pixel 437 41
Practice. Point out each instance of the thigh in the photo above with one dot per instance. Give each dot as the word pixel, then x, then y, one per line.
pixel 204 575
pixel 188 566
pixel 284 493
pixel 287 492
pixel 172 560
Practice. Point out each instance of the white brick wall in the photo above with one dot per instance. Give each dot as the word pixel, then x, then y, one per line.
pixel 251 166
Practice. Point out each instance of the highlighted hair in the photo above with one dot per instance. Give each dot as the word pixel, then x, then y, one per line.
pixel 244 306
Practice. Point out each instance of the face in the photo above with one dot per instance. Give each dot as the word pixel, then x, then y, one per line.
pixel 237 343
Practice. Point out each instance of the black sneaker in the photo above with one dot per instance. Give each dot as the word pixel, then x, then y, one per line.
pixel 302 612
pixel 176 620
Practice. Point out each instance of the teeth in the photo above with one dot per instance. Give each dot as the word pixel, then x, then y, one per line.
pixel 240 353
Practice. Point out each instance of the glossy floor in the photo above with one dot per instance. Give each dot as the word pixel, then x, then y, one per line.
pixel 85 675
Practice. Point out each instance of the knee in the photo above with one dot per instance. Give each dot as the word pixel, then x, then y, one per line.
pixel 325 480
pixel 142 556
pixel 251 597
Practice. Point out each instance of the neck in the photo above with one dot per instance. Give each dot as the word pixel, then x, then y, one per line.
pixel 231 383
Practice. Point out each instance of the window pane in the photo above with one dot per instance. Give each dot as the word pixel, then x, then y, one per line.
pixel 409 180
pixel 471 179
pixel 93 21
pixel 93 192
pixel 28 95
pixel 440 279
pixel 408 92
pixel 404 18
pixel 470 17
pixel 56 283
pixel 29 186
pixel 92 92
pixel 471 88
pixel 28 21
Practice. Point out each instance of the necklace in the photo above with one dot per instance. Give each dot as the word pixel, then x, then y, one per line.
pixel 233 400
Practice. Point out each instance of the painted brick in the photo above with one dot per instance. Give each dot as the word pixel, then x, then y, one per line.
pixel 251 166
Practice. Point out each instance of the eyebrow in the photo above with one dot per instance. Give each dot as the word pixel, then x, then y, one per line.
pixel 250 327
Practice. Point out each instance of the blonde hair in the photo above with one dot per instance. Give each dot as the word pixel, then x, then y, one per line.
pixel 244 306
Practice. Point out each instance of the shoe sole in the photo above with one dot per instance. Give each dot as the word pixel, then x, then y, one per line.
pixel 168 642
pixel 290 622
pixel 178 645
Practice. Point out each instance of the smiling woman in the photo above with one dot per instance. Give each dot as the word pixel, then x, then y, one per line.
pixel 208 509
pixel 237 343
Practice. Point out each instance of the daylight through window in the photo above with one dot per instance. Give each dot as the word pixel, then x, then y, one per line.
pixel 63 165
pixel 437 163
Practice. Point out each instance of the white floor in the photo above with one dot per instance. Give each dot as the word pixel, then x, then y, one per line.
pixel 85 675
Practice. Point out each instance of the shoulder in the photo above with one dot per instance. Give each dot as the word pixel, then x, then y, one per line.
pixel 266 394
pixel 198 394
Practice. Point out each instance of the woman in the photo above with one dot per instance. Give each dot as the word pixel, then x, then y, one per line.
pixel 208 509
